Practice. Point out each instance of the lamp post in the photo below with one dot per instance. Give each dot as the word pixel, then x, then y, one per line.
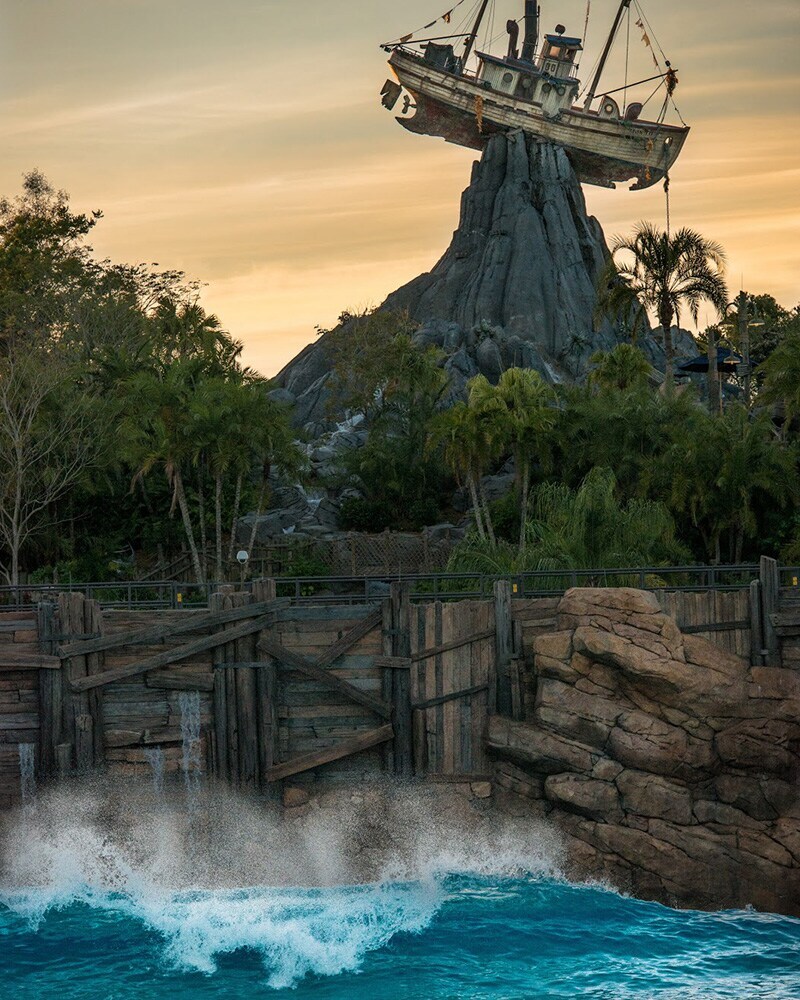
pixel 743 325
pixel 241 557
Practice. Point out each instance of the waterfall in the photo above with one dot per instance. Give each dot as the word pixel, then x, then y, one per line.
pixel 189 702
pixel 27 776
pixel 155 758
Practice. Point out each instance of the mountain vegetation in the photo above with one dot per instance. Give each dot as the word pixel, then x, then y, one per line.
pixel 130 427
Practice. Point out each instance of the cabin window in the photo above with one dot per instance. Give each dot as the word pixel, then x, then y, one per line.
pixel 546 88
pixel 508 78
pixel 554 51
pixel 550 67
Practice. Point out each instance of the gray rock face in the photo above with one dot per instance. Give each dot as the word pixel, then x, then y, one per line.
pixel 515 288
pixel 525 256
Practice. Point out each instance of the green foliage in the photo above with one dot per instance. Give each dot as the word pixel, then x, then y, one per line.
pixel 587 528
pixel 662 273
pixel 625 367
pixel 380 372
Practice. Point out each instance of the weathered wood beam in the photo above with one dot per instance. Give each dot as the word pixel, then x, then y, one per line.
pixel 28 661
pixel 349 639
pixel 172 655
pixel 309 761
pixel 312 669
pixel 428 654
pixel 155 633
pixel 451 696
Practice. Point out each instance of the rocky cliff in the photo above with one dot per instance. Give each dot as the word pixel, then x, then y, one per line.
pixel 671 766
pixel 515 288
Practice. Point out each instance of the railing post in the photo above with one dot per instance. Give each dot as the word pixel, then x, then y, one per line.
pixel 770 600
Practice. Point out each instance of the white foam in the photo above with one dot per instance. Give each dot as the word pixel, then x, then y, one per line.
pixel 309 896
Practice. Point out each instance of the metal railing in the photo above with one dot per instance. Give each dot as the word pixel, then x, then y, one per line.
pixel 168 594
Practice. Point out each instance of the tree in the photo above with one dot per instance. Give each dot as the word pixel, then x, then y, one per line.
pixel 462 435
pixel 518 411
pixel 666 273
pixel 724 475
pixel 587 528
pixel 381 373
pixel 781 378
pixel 49 439
pixel 624 367
pixel 44 264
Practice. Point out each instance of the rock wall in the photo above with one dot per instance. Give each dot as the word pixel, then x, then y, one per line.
pixel 515 288
pixel 671 766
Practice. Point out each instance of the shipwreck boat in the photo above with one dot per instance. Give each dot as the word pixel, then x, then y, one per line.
pixel 536 90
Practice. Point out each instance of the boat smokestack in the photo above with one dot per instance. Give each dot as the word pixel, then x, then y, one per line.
pixel 531 30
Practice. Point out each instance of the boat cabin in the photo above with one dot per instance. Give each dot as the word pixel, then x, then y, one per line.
pixel 551 81
pixel 557 55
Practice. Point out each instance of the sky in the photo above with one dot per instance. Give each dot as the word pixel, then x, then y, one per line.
pixel 244 143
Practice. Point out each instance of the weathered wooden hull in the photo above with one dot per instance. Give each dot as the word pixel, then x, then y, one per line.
pixel 602 150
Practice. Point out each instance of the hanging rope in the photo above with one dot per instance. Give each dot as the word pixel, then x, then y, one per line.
pixel 666 195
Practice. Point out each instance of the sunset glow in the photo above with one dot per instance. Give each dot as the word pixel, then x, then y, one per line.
pixel 245 144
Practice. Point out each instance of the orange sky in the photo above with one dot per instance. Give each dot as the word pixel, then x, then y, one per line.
pixel 244 142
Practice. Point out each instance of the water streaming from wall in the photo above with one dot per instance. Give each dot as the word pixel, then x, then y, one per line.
pixel 27 774
pixel 189 702
pixel 155 758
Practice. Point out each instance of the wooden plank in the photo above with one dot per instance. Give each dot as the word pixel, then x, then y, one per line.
pixel 443 699
pixel 15 660
pixel 387 645
pixel 770 600
pixel 393 662
pixel 350 638
pixel 309 761
pixel 450 625
pixel 445 647
pixel 180 680
pixel 51 687
pixel 246 704
pixel 417 677
pixel 169 656
pixel 94 664
pixel 298 662
pixel 400 598
pixel 503 644
pixel 723 626
pixel 438 684
pixel 194 623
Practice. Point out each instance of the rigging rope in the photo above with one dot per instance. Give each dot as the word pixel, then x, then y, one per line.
pixel 446 17
pixel 666 195
pixel 627 53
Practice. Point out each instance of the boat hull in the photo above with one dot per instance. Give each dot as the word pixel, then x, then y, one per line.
pixel 603 151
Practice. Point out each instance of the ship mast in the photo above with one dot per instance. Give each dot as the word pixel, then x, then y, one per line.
pixel 474 33
pixel 601 65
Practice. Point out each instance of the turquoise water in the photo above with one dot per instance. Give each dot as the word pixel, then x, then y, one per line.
pixel 455 935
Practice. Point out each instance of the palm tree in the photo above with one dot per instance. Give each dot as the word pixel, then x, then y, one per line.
pixel 518 411
pixel 666 273
pixel 160 433
pixel 623 368
pixel 781 374
pixel 587 528
pixel 461 435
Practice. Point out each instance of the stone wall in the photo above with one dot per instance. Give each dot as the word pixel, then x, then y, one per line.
pixel 670 765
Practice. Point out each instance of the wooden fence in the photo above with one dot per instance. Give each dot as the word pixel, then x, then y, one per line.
pixel 303 692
